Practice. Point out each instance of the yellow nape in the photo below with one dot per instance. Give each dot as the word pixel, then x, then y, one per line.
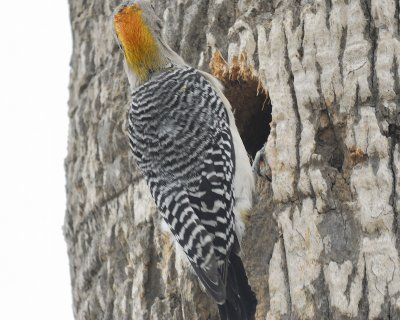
pixel 140 47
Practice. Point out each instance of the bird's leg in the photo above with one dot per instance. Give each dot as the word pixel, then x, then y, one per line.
pixel 260 165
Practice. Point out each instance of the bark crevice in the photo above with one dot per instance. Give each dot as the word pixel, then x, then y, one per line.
pixel 295 109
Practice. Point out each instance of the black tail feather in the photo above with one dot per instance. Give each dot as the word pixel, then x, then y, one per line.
pixel 240 301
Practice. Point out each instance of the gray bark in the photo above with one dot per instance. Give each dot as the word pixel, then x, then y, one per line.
pixel 323 240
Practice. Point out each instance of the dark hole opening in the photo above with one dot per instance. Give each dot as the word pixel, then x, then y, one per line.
pixel 252 109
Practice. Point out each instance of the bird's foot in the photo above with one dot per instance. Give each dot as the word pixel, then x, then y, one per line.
pixel 260 165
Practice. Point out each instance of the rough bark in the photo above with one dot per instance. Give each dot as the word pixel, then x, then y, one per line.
pixel 323 240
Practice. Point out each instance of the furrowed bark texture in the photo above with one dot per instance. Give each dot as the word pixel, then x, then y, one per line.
pixel 323 240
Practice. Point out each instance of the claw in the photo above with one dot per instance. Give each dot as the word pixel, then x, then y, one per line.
pixel 260 165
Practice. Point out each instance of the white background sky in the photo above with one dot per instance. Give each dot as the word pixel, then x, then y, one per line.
pixel 35 51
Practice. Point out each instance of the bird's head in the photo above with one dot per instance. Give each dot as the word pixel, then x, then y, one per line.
pixel 138 32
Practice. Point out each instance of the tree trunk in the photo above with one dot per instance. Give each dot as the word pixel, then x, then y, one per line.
pixel 323 240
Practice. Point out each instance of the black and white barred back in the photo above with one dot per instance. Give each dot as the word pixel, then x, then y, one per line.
pixel 180 137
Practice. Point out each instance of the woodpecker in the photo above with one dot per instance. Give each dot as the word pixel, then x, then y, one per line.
pixel 183 137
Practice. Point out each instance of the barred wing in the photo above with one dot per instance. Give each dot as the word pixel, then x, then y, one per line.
pixel 180 137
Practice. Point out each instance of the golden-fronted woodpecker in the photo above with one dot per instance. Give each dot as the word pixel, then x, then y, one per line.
pixel 184 139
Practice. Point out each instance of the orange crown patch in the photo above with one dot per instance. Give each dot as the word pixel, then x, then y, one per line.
pixel 139 45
